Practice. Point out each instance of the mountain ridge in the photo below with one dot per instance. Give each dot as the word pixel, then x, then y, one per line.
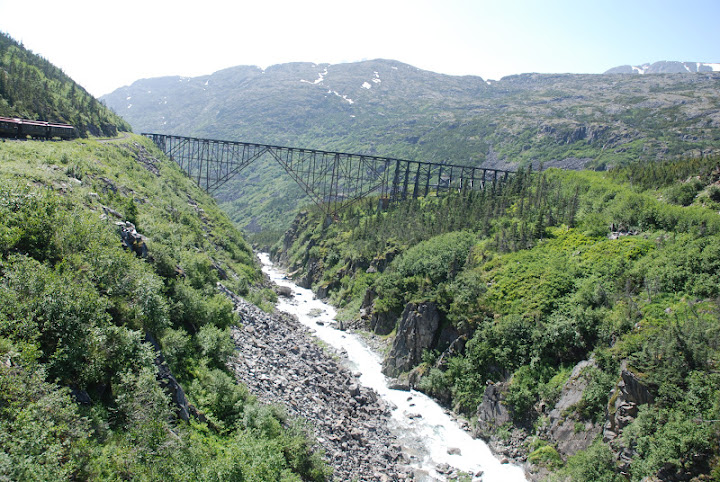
pixel 666 67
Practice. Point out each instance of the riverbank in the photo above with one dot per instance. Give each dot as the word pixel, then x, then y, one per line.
pixel 281 362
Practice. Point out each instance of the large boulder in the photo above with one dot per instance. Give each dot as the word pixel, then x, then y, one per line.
pixel 416 332
pixel 383 322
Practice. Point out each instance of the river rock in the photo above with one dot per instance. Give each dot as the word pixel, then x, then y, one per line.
pixel 284 291
pixel 280 362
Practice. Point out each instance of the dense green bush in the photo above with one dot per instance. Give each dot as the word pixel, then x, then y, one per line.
pixel 596 464
pixel 42 435
pixel 215 344
pixel 684 194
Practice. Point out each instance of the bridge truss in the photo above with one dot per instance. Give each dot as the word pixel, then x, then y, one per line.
pixel 331 179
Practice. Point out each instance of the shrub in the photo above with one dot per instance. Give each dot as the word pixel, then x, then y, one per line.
pixel 177 349
pixel 595 396
pixel 215 344
pixel 596 464
pixel 143 410
pixel 545 456
pixel 52 308
pixel 714 193
pixel 193 308
pixel 684 193
pixel 28 221
pixel 217 394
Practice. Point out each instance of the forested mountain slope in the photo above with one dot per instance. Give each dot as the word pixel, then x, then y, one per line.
pixel 387 108
pixel 572 315
pixel 33 88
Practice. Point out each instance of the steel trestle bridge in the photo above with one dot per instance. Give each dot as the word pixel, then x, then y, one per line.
pixel 331 179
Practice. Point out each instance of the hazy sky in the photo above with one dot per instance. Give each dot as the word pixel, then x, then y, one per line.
pixel 105 45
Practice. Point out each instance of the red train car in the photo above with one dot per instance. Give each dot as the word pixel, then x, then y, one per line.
pixel 23 128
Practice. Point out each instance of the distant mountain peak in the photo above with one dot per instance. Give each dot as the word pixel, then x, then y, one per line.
pixel 666 67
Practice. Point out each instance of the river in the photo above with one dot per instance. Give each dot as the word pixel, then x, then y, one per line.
pixel 426 431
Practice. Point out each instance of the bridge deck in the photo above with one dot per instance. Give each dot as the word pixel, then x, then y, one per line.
pixel 331 179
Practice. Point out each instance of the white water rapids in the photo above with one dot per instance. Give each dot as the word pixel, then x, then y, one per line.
pixel 424 429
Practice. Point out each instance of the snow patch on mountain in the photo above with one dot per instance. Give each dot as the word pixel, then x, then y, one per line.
pixel 343 97
pixel 319 80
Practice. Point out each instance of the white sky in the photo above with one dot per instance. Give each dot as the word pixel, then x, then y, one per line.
pixel 105 45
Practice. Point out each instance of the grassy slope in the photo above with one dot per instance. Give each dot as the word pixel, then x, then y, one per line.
pixel 75 309
pixel 533 278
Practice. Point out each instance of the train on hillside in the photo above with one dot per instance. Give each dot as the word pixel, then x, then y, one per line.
pixel 24 128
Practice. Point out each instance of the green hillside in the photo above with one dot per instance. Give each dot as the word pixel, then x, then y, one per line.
pixel 587 301
pixel 33 88
pixel 387 108
pixel 84 392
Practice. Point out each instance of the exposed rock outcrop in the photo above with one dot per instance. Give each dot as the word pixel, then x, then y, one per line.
pixel 131 239
pixel 168 382
pixel 416 332
pixel 625 399
pixel 383 323
pixel 379 322
pixel 492 412
pixel 565 429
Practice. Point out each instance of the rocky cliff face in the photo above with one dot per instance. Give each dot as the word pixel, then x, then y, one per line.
pixel 492 413
pixel 566 430
pixel 625 400
pixel 570 432
pixel 416 332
